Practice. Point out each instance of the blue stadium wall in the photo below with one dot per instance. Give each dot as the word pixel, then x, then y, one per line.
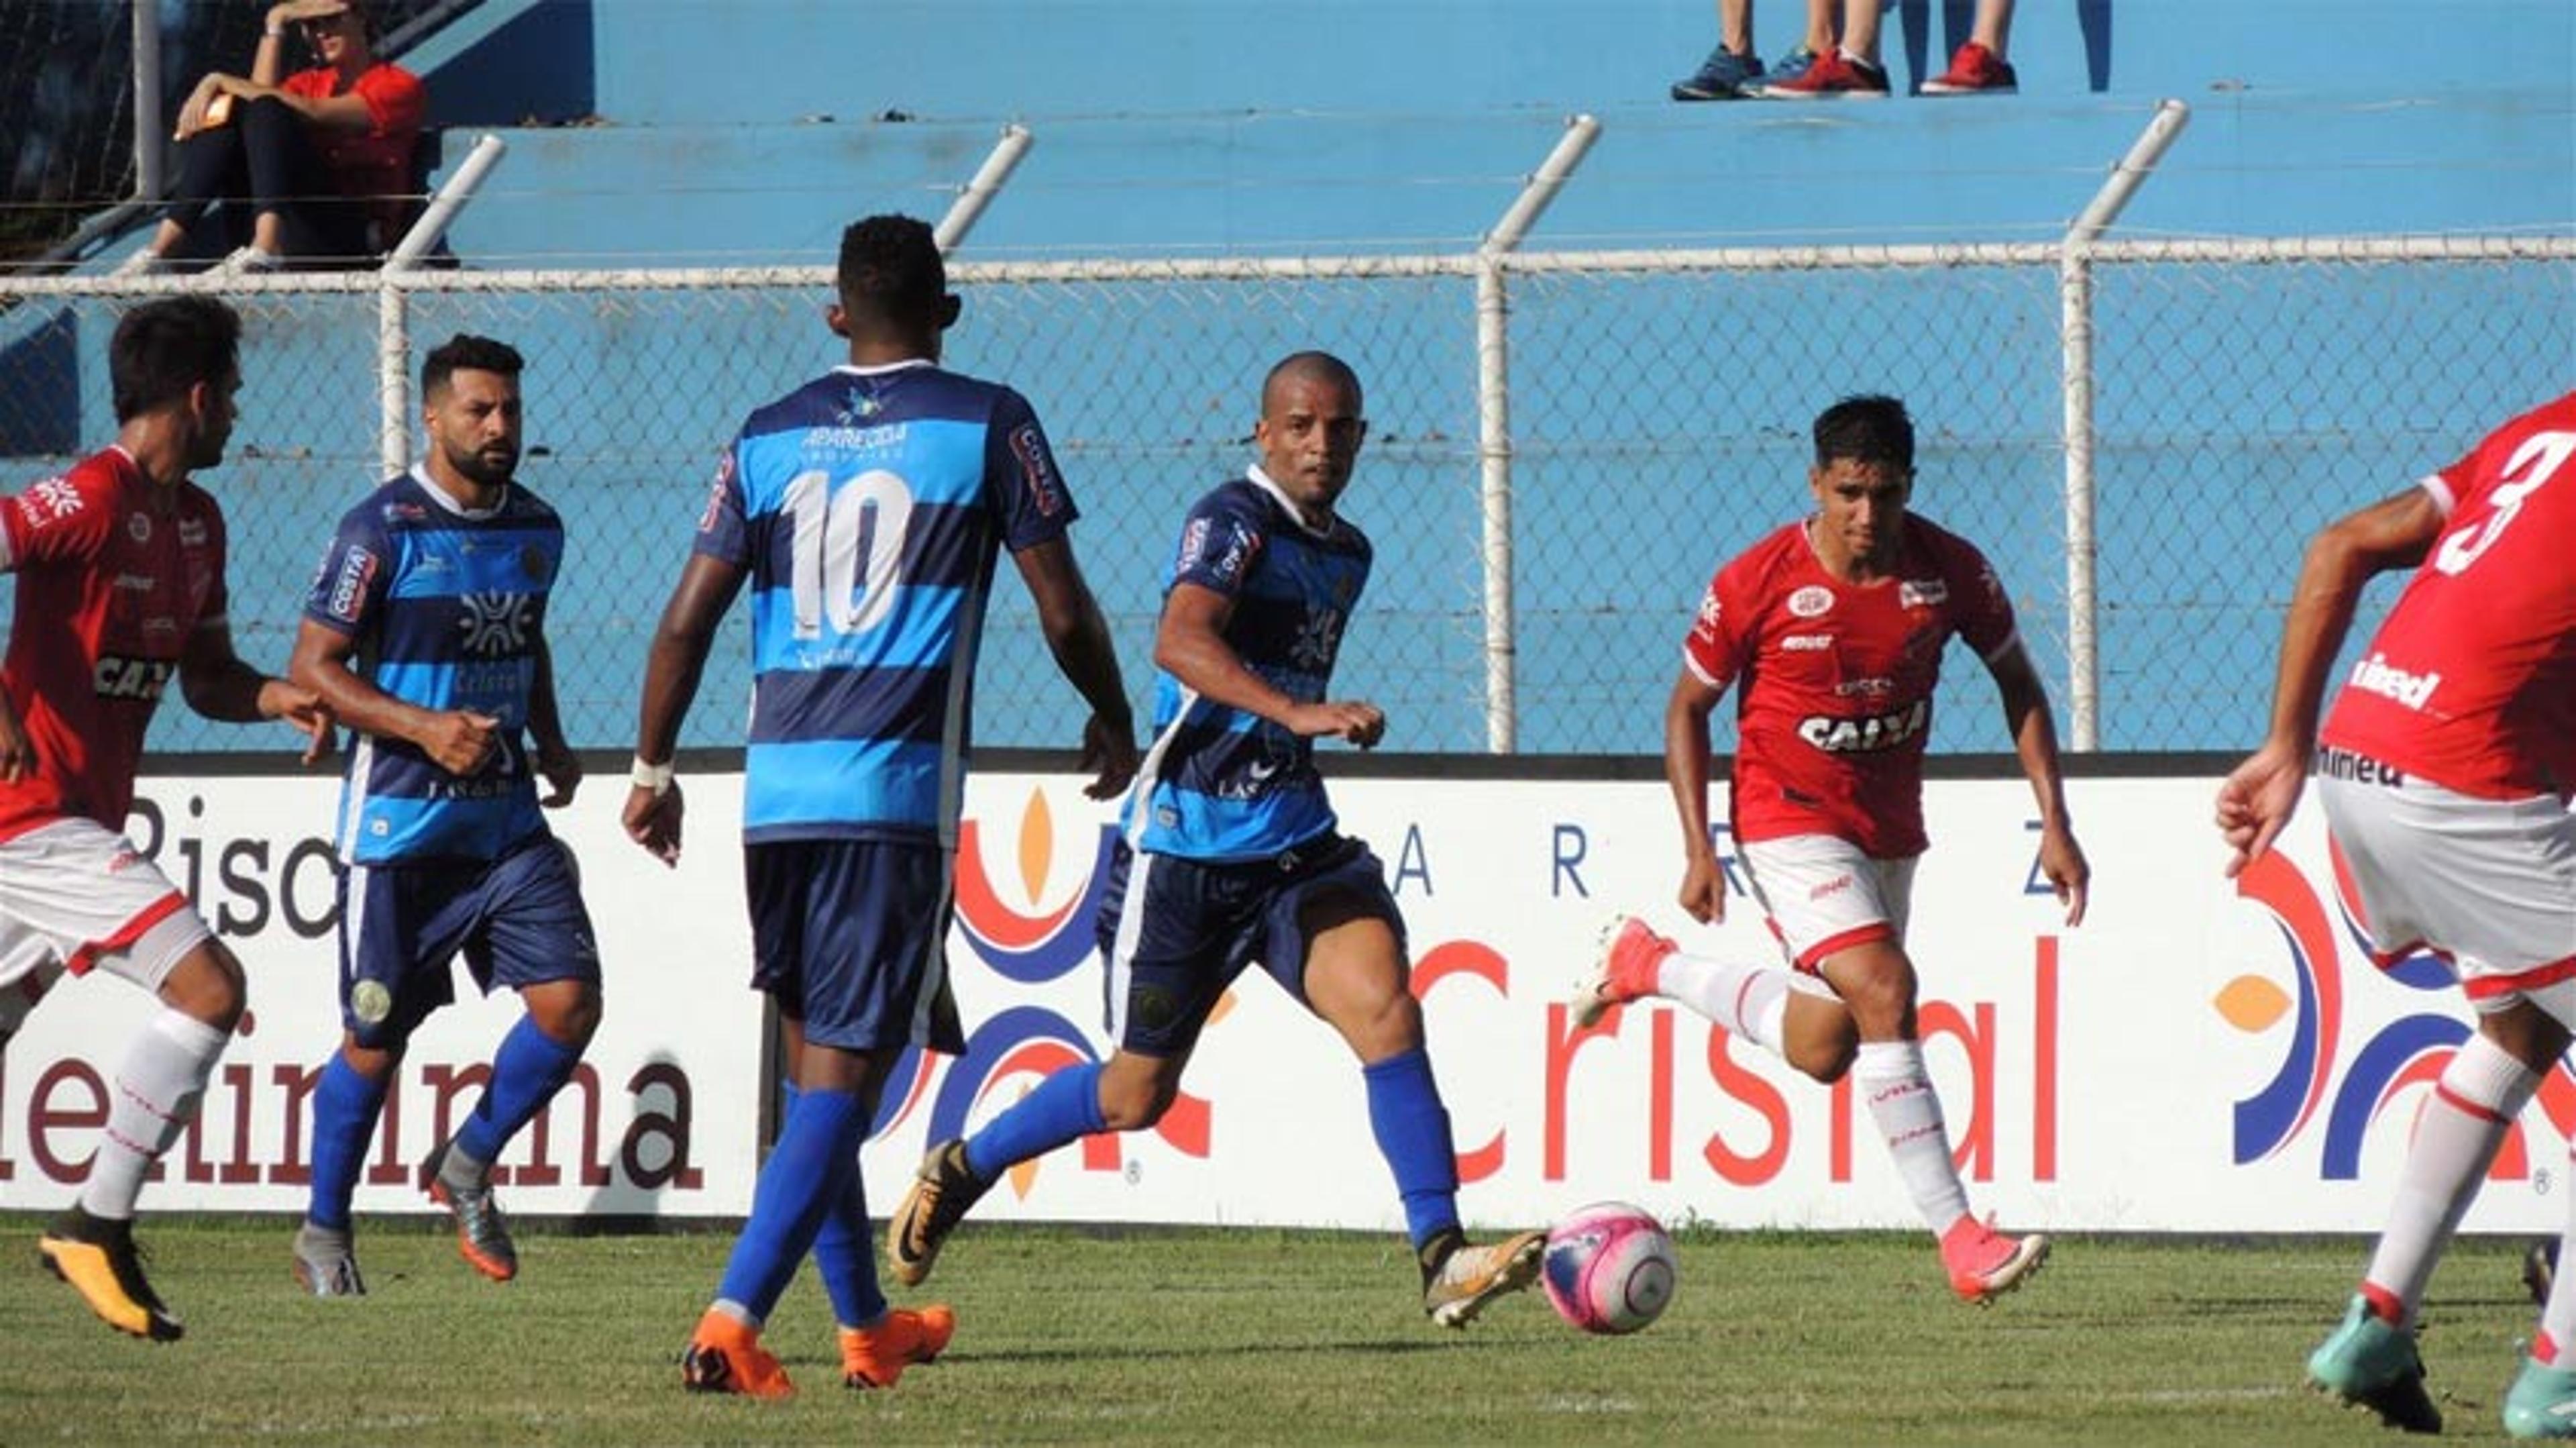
pixel 749 132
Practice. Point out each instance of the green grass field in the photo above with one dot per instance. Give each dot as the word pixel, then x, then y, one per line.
pixel 1250 1336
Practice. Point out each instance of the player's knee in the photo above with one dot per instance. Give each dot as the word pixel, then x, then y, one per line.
pixel 570 1018
pixel 208 985
pixel 1134 1105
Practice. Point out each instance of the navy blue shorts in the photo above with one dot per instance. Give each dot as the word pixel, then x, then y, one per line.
pixel 851 938
pixel 1175 933
pixel 518 920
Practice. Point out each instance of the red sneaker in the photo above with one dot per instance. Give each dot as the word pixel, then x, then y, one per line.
pixel 873 1357
pixel 726 1357
pixel 1631 954
pixel 1983 1263
pixel 1974 71
pixel 1834 77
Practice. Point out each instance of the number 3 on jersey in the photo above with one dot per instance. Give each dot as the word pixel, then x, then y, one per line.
pixel 848 551
pixel 2532 464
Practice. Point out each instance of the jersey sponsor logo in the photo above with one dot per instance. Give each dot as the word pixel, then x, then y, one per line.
pixel 192 532
pixel 134 582
pixel 494 623
pixel 2375 675
pixel 717 492
pixel 1834 886
pixel 1922 592
pixel 1708 612
pixel 138 526
pixel 50 501
pixel 1867 734
pixel 2334 763
pixel 1037 470
pixel 405 513
pixel 1317 641
pixel 1227 567
pixel 123 678
pixel 1805 643
pixel 357 570
pixel 1871 684
pixel 1812 601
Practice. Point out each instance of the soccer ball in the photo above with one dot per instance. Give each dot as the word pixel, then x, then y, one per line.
pixel 1609 1268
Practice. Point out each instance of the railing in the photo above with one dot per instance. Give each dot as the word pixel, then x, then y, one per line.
pixel 2140 433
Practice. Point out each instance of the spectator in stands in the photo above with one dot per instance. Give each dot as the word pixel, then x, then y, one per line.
pixel 1851 69
pixel 1978 68
pixel 1732 70
pixel 320 160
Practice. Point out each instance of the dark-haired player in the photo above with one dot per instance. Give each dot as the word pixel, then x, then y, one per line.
pixel 1231 855
pixel 867 510
pixel 1831 631
pixel 120 566
pixel 425 632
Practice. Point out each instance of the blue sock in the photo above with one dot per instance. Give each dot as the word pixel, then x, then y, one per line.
pixel 816 1156
pixel 843 1254
pixel 1065 1107
pixel 527 1071
pixel 345 1106
pixel 1412 1130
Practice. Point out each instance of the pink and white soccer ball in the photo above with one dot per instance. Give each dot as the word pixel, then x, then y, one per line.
pixel 1609 1268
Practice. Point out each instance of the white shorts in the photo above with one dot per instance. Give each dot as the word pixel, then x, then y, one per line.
pixel 2488 885
pixel 75 896
pixel 1822 894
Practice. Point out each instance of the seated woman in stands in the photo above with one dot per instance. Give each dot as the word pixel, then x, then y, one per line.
pixel 319 162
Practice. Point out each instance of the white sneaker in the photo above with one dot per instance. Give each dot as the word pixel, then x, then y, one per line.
pixel 247 261
pixel 144 263
pixel 1473 1276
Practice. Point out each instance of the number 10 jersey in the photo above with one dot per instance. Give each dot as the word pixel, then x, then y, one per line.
pixel 868 508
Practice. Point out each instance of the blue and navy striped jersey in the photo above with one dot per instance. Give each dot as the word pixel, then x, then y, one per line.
pixel 448 611
pixel 868 507
pixel 1219 783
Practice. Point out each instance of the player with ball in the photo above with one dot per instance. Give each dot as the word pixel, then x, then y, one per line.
pixel 1834 627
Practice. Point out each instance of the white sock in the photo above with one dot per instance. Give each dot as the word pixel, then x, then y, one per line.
pixel 1890 1077
pixel 2473 1105
pixel 151 1101
pixel 2558 1314
pixel 1749 1000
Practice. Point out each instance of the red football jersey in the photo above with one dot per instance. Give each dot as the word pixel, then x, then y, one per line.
pixel 112 582
pixel 1837 680
pixel 2471 681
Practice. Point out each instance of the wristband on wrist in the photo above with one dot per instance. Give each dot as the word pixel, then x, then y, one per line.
pixel 654 777
pixel 274 33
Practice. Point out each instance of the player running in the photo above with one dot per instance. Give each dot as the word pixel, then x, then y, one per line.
pixel 2445 771
pixel 426 633
pixel 121 587
pixel 866 509
pixel 1230 856
pixel 1834 626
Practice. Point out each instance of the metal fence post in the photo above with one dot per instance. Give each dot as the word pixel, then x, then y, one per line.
pixel 1494 427
pixel 2075 335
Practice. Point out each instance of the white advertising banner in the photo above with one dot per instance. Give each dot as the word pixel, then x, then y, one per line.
pixel 2199 1055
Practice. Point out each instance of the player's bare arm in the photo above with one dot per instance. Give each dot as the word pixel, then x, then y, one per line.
pixel 1686 770
pixel 2034 736
pixel 1190 645
pixel 672 668
pixel 2258 797
pixel 554 757
pixel 457 740
pixel 219 684
pixel 1079 638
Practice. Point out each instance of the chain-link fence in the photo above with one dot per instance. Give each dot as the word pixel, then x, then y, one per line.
pixel 1658 404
